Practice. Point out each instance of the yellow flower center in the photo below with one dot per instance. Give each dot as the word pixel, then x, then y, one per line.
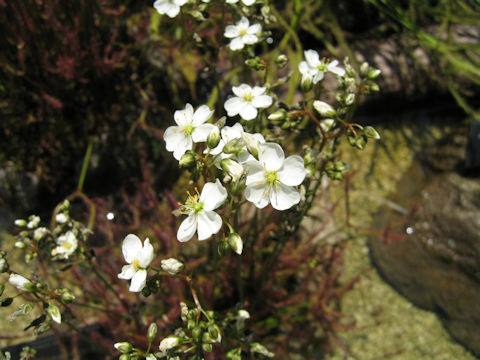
pixel 188 129
pixel 136 264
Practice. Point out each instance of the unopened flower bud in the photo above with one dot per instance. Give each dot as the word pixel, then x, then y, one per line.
pixel 124 347
pixel 183 311
pixel 33 221
pixel 20 223
pixel 350 99
pixel 281 60
pixel 253 143
pixel 213 138
pixel 172 266
pixel 214 333
pixel 40 233
pixel 54 313
pixel 20 282
pixel 234 146
pixel 152 332
pixel 255 63
pixel 243 314
pixel 323 108
pixel 66 295
pixel 327 124
pixel 169 343
pixel 238 186
pixel 125 357
pixel 364 69
pixel 232 168
pixel 374 87
pixel 371 133
pixel 207 347
pixel 187 160
pixel 236 243
pixel 278 115
pixel 307 83
pixel 3 265
pixel 373 73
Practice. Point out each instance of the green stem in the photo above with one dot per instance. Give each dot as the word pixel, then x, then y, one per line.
pixel 86 160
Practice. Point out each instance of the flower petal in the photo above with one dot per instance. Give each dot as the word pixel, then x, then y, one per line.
pixel 258 195
pixel 271 156
pixel 209 223
pixel 213 195
pixel 182 146
pixel 201 132
pixel 172 136
pixel 236 44
pixel 234 105
pixel 292 172
pixel 187 228
pixel 255 172
pixel 138 281
pixel 249 39
pixel 262 101
pixel 248 111
pixel 283 197
pixel 231 31
pixel 232 132
pixel 145 256
pixel 127 272
pixel 244 23
pixel 184 117
pixel 173 10
pixel 131 247
pixel 312 58
pixel 254 29
pixel 242 90
pixel 202 114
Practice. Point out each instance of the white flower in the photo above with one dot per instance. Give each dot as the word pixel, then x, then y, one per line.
pixel 20 282
pixel 169 343
pixel 190 129
pixel 169 7
pixel 247 101
pixel 39 233
pixel 172 266
pixel 242 34
pixel 245 2
pixel 139 258
pixel 272 178
pixel 61 218
pixel 66 245
pixel 314 69
pixel 201 217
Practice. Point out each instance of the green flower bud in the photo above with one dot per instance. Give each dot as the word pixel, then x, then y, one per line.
pixel 259 348
pixel 234 146
pixel 213 138
pixel 281 60
pixel 374 87
pixel 236 243
pixel 152 332
pixel 187 160
pixel 125 357
pixel 364 69
pixel 54 313
pixel 373 73
pixel 256 63
pixel 306 84
pixel 40 233
pixel 196 333
pixel 324 109
pixel 371 133
pixel 207 347
pixel 223 247
pixel 183 311
pixel 67 296
pixel 279 115
pixel 123 347
pixel 350 99
pixel 20 245
pixel 3 265
pixel 20 223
